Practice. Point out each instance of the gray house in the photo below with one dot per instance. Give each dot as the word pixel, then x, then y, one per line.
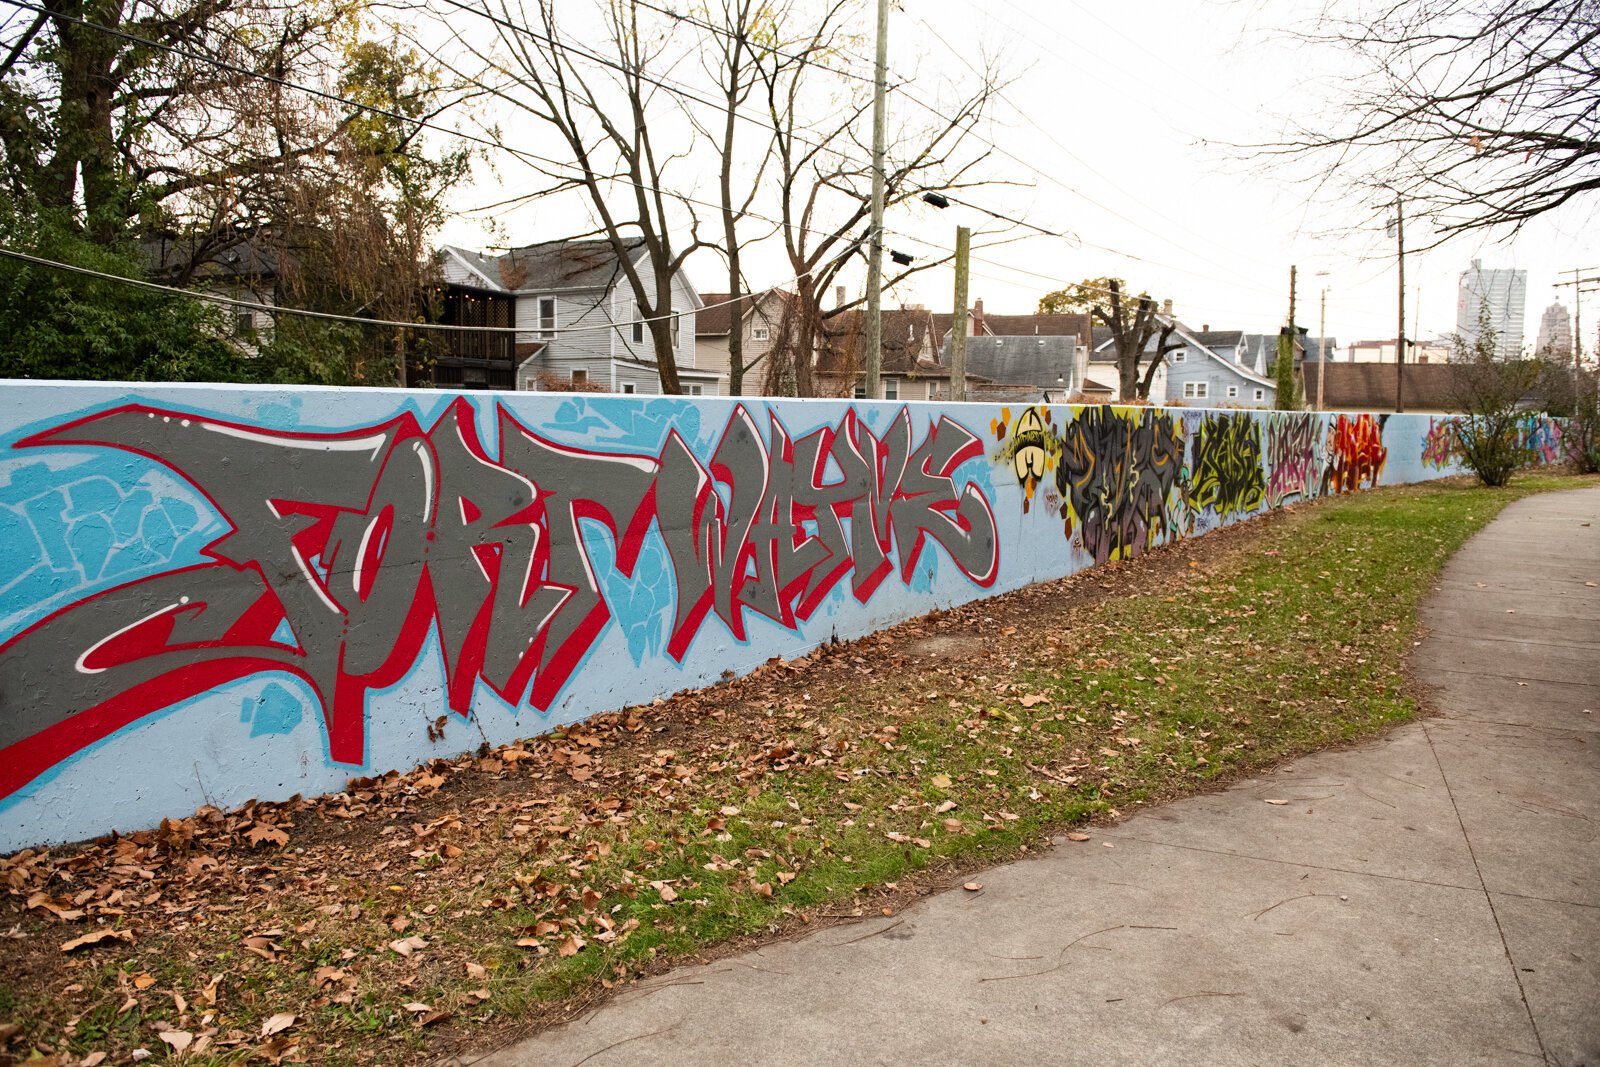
pixel 1031 366
pixel 577 326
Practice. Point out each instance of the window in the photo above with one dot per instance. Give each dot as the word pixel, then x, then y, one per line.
pixel 761 333
pixel 245 324
pixel 628 387
pixel 638 333
pixel 580 379
pixel 931 390
pixel 861 392
pixel 547 316
pixel 677 325
pixel 891 389
pixel 1261 394
pixel 1233 391
pixel 1179 356
pixel 1196 390
pixel 695 390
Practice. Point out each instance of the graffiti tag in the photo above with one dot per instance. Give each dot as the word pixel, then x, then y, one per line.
pixel 346 551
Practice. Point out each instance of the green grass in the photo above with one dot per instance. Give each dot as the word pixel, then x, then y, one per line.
pixel 1291 639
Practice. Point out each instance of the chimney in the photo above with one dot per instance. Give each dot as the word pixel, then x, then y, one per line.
pixel 1205 327
pixel 1166 307
pixel 975 321
pixel 838 296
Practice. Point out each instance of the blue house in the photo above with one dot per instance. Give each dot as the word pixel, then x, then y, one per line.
pixel 1214 368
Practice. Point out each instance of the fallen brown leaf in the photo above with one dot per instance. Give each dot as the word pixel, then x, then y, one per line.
pixel 180 1040
pixel 278 1023
pixel 265 832
pixel 407 945
pixel 95 937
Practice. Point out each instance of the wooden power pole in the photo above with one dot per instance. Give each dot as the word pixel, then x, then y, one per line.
pixel 1400 329
pixel 874 341
pixel 958 321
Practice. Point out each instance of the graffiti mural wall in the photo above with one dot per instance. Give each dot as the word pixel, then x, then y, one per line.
pixel 209 594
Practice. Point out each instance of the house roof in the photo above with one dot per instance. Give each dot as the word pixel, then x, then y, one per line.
pixel 244 259
pixel 715 317
pixel 1371 386
pixel 1227 340
pixel 548 265
pixel 1219 339
pixel 905 342
pixel 1034 361
pixel 987 325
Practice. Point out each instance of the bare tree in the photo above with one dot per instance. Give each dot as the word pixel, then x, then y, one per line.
pixel 1131 331
pixel 739 31
pixel 821 173
pixel 610 109
pixel 1483 113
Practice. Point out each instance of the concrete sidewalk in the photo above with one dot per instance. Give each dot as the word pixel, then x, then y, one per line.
pixel 1433 897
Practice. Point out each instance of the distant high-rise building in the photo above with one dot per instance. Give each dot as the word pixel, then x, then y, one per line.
pixel 1555 333
pixel 1504 293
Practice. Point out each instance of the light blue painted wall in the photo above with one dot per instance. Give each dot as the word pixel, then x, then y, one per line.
pixel 172 633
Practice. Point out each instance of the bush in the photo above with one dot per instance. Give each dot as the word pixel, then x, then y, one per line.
pixel 1489 392
pixel 1582 434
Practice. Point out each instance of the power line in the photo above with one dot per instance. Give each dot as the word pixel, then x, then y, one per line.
pixel 328 316
pixel 420 123
pixel 543 161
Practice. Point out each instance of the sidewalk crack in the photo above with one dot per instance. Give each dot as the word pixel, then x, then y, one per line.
pixel 1494 912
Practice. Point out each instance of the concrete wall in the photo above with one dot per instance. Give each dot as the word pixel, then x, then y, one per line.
pixel 209 594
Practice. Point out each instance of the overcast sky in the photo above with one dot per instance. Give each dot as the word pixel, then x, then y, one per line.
pixel 1120 120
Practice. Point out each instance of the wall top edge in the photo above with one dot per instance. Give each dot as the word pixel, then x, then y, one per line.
pixel 390 391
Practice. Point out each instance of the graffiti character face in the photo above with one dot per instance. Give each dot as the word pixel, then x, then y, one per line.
pixel 1033 449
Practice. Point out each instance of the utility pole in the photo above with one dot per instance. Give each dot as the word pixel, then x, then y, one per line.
pixel 874 342
pixel 1292 271
pixel 1577 283
pixel 1400 326
pixel 1322 347
pixel 958 322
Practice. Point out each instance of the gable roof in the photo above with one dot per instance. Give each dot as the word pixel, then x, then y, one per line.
pixel 1034 361
pixel 987 325
pixel 1195 341
pixel 548 265
pixel 905 335
pixel 715 317
pixel 246 259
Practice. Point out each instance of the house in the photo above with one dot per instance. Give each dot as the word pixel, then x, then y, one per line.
pixel 760 321
pixel 1223 368
pixel 1023 368
pixel 1020 357
pixel 909 370
pixel 1383 351
pixel 245 270
pixel 576 323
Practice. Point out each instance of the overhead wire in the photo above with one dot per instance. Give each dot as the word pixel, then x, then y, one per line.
pixel 542 161
pixel 328 316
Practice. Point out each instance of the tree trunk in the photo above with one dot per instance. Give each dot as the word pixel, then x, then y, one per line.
pixel 86 144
